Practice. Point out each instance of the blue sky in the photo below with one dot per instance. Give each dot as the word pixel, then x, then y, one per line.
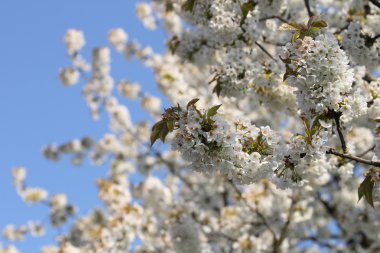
pixel 36 109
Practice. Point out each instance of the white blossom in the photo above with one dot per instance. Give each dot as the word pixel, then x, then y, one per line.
pixel 69 76
pixel 74 40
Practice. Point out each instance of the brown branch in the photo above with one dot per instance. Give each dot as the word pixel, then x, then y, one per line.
pixel 375 2
pixel 376 37
pixel 273 17
pixel 370 41
pixel 367 151
pixel 255 210
pixel 330 211
pixel 309 12
pixel 285 228
pixel 264 221
pixel 265 51
pixel 336 116
pixel 353 158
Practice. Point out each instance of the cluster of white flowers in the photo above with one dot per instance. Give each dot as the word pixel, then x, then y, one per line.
pixel 320 72
pixel 74 40
pixel 118 38
pixel 361 49
pixel 76 147
pixel 69 76
pixel 242 152
pixel 100 85
pixel 289 129
pixel 144 12
pixel 185 236
pixel 129 90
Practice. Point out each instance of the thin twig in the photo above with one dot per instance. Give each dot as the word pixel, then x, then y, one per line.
pixel 367 151
pixel 353 158
pixel 265 51
pixel 309 12
pixel 264 221
pixel 273 17
pixel 285 228
pixel 331 211
pixel 255 210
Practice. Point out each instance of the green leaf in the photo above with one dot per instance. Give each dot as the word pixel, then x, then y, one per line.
pixel 314 29
pixel 156 130
pixel 316 124
pixel 308 130
pixel 319 24
pixel 170 125
pixel 213 111
pixel 296 35
pixel 290 27
pixel 188 5
pixel 164 131
pixel 365 189
pixel 315 26
pixel 192 103
pixel 217 89
pixel 245 9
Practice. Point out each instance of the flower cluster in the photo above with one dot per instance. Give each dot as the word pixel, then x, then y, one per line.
pixel 273 156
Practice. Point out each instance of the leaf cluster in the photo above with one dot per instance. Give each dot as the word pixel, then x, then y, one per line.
pixel 168 124
pixel 303 30
pixel 171 116
pixel 256 145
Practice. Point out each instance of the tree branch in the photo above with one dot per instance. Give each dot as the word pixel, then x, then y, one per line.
pixel 375 2
pixel 285 228
pixel 265 51
pixel 371 40
pixel 376 37
pixel 309 12
pixel 255 210
pixel 367 151
pixel 354 158
pixel 273 17
pixel 336 116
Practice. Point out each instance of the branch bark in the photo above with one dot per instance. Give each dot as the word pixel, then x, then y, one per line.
pixel 309 12
pixel 285 228
pixel 255 210
pixel 336 116
pixel 273 17
pixel 265 51
pixel 375 2
pixel 367 151
pixel 353 158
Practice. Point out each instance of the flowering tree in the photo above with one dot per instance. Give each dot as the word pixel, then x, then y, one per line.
pixel 274 133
